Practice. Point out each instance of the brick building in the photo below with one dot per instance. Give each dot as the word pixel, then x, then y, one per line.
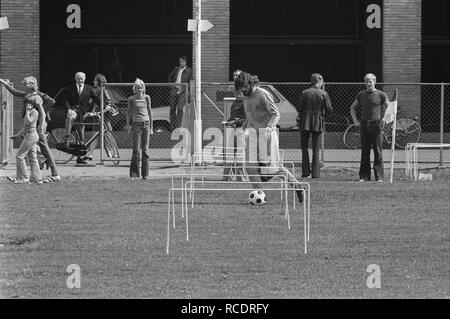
pixel 280 40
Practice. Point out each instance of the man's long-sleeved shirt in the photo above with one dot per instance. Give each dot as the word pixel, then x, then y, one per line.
pixel 260 110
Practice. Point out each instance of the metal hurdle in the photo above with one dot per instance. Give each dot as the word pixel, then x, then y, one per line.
pixel 231 156
pixel 201 161
pixel 191 184
pixel 411 157
pixel 199 158
pixel 191 177
pixel 282 183
pixel 284 173
pixel 286 183
pixel 282 189
pixel 233 165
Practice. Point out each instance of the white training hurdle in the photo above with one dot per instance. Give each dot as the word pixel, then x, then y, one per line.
pixel 411 157
pixel 233 158
pixel 198 162
pixel 191 185
pixel 230 157
pixel 192 177
pixel 280 172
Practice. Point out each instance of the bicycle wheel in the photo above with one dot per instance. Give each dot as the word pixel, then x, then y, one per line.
pixel 54 137
pixel 352 137
pixel 111 149
pixel 407 131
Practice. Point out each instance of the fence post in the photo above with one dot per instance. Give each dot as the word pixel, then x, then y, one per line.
pixel 441 130
pixel 322 142
pixel 193 116
pixel 228 102
pixel 102 119
pixel 6 126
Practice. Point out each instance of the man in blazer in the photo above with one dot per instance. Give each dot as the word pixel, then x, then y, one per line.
pixel 180 74
pixel 78 98
pixel 314 103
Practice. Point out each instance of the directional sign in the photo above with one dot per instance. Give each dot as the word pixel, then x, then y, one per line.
pixel 4 23
pixel 205 25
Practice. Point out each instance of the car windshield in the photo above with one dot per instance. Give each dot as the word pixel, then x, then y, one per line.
pixel 116 95
pixel 268 89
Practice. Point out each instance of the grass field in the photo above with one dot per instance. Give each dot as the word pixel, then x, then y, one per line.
pixel 115 230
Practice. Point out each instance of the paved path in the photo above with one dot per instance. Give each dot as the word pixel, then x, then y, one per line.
pixel 161 168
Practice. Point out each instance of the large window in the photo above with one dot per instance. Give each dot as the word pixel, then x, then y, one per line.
pixel 436 18
pixel 435 61
pixel 295 17
pixel 435 41
pixel 132 17
pixel 287 40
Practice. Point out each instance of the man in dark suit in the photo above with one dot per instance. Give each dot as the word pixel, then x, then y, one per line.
pixel 78 100
pixel 314 103
pixel 180 74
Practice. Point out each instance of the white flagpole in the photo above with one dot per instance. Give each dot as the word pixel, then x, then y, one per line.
pixel 394 129
pixel 198 81
pixel 198 26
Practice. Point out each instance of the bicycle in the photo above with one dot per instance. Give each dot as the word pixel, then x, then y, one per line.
pixel 56 136
pixel 406 131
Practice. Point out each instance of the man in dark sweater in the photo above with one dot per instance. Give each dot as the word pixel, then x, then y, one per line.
pixel 373 104
pixel 314 103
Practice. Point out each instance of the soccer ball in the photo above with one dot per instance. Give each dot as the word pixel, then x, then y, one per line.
pixel 257 198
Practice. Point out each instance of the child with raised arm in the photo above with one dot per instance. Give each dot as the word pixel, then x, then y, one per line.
pixel 140 123
pixel 31 87
pixel 28 147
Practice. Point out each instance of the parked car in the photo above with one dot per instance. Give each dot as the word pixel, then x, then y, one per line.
pixel 288 112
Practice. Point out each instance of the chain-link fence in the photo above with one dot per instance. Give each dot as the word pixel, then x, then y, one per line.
pixel 424 104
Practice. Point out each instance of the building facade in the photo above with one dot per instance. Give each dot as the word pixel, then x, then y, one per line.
pixel 280 40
